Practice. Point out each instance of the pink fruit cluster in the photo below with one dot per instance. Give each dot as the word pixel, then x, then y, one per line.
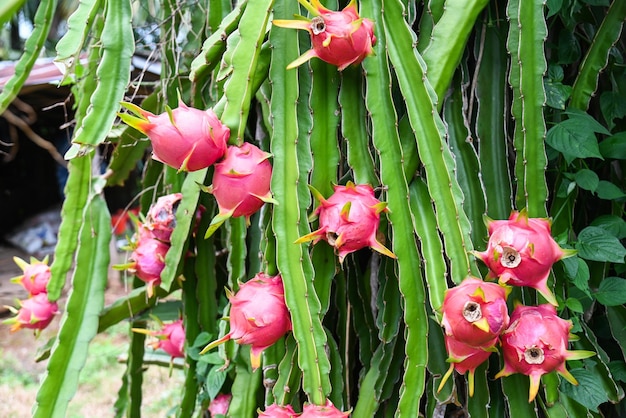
pixel 258 316
pixel 219 405
pixel 338 38
pixel 189 139
pixel 349 220
pixel 534 340
pixel 309 411
pixel 37 311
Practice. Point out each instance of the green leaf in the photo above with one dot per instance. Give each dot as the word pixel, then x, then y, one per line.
pixel 613 106
pixel 587 179
pixel 557 93
pixel 574 305
pixel 597 2
pixel 578 271
pixel 609 191
pixel 611 292
pixel 618 370
pixel 574 139
pixel 614 147
pixel 613 224
pixel 598 245
pixel 568 47
pixel 589 390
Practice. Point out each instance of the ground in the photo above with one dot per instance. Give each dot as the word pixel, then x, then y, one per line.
pixel 101 377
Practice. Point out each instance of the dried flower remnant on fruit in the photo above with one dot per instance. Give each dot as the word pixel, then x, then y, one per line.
pixel 341 38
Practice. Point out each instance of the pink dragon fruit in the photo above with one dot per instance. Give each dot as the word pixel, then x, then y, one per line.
pixel 241 183
pixel 521 252
pixel 36 275
pixel 338 38
pixel 171 338
pixel 322 411
pixel 258 315
pixel 278 411
pixel 349 220
pixel 35 313
pixel 536 343
pixel 465 358
pixel 219 405
pixel 185 138
pixel 475 312
pixel 161 217
pixel 148 261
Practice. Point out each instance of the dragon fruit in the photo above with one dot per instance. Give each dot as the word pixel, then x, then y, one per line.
pixel 219 405
pixel 278 411
pixel 348 220
pixel 36 275
pixel 521 252
pixel 536 343
pixel 161 217
pixel 258 315
pixel 322 411
pixel 170 338
pixel 475 312
pixel 338 38
pixel 465 358
pixel 148 261
pixel 35 313
pixel 241 183
pixel 185 138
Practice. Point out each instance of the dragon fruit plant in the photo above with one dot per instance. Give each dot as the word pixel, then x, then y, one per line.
pixel 521 252
pixel 278 411
pixel 36 275
pixel 34 313
pixel 219 405
pixel 241 183
pixel 338 38
pixel 536 343
pixel 185 138
pixel 348 220
pixel 147 260
pixel 258 316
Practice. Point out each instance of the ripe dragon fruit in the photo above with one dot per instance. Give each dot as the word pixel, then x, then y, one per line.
pixel 338 38
pixel 348 220
pixel 219 405
pixel 35 313
pixel 521 252
pixel 465 358
pixel 147 261
pixel 161 217
pixel 185 138
pixel 278 411
pixel 241 183
pixel 536 343
pixel 475 312
pixel 36 275
pixel 322 411
pixel 170 338
pixel 258 316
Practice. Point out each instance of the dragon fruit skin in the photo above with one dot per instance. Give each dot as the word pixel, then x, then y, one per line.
pixel 521 252
pixel 258 316
pixel 349 220
pixel 278 411
pixel 338 38
pixel 171 339
pixel 325 411
pixel 36 275
pixel 536 343
pixel 475 312
pixel 185 138
pixel 464 358
pixel 219 405
pixel 35 313
pixel 161 217
pixel 148 261
pixel 241 182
